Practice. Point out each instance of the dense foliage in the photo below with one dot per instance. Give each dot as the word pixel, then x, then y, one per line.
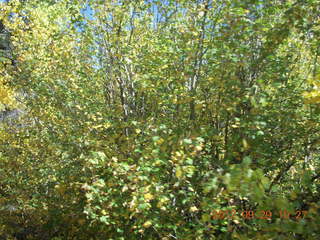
pixel 156 119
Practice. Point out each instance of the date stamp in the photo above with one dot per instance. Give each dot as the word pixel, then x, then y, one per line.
pixel 261 214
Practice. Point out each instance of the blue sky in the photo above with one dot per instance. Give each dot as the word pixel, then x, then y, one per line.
pixel 88 12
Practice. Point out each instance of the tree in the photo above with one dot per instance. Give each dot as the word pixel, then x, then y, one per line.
pixel 162 120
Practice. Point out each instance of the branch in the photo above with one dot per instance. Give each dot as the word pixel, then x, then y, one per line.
pixel 280 174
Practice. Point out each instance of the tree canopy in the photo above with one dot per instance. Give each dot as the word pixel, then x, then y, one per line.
pixel 160 119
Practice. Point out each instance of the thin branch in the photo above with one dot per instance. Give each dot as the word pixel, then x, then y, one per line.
pixel 280 175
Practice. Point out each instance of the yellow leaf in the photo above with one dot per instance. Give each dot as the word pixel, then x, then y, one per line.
pixel 198 148
pixel 103 212
pixel 148 196
pixel 147 224
pixel 205 217
pixel 313 100
pixel 245 144
pixel 193 209
pixel 178 172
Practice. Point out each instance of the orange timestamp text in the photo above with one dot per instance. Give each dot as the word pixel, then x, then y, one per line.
pixel 261 214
